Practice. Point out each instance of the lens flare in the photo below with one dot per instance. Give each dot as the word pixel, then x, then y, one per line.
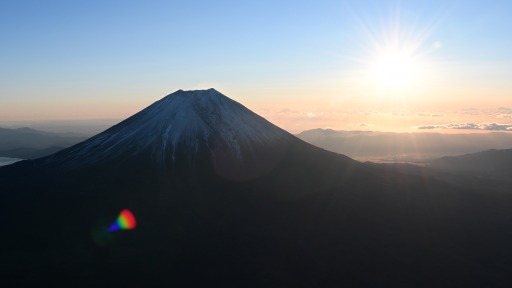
pixel 125 221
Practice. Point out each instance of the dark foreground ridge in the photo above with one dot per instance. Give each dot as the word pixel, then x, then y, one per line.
pixel 223 198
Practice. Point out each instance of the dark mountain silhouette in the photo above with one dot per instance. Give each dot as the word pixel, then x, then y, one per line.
pixel 490 164
pixel 223 198
pixel 27 143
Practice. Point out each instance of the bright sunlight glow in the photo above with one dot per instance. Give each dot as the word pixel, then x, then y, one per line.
pixel 394 68
pixel 394 62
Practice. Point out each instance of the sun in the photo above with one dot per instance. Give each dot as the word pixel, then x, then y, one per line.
pixel 394 56
pixel 394 68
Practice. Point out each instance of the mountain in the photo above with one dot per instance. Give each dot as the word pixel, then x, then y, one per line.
pixel 490 164
pixel 27 143
pixel 183 128
pixel 404 147
pixel 223 198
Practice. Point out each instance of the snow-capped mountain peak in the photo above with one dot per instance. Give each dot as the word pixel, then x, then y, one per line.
pixel 183 124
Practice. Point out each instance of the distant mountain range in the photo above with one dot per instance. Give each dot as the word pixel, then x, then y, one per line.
pixel 404 147
pixel 489 164
pixel 223 198
pixel 27 143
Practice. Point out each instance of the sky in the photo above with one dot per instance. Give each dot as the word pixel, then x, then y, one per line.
pixel 347 65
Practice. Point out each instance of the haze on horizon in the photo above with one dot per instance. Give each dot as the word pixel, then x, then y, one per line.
pixel 441 66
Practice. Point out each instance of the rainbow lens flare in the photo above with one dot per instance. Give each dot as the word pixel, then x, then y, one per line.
pixel 125 221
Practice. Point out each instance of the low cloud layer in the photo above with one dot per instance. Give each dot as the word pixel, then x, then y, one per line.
pixel 470 126
pixel 429 115
pixel 500 112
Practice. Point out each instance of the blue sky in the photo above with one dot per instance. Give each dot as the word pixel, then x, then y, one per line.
pixel 72 55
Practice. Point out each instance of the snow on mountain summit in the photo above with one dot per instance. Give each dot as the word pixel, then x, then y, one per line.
pixel 182 124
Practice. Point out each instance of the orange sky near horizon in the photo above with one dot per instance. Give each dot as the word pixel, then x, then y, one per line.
pixel 298 110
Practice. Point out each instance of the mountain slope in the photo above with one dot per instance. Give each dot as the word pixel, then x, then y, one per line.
pixel 224 198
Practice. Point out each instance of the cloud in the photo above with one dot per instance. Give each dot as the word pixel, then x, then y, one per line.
pixel 470 126
pixel 311 115
pixel 500 112
pixel 472 111
pixel 497 127
pixel 503 112
pixel 429 115
pixel 464 126
pixel 419 114
pixel 428 127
